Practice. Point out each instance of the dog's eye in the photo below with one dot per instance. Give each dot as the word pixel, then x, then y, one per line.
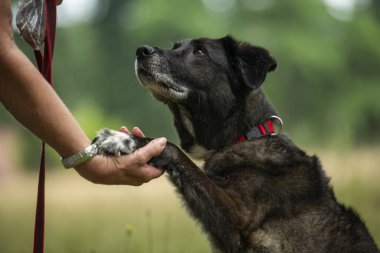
pixel 199 52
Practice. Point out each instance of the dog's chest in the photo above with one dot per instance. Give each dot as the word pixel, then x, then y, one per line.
pixel 196 151
pixel 186 122
pixel 265 241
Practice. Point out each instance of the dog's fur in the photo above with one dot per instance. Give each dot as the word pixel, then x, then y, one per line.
pixel 264 195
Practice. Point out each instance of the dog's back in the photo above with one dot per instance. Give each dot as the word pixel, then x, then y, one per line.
pixel 287 201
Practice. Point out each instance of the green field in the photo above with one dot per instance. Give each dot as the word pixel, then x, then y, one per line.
pixel 87 218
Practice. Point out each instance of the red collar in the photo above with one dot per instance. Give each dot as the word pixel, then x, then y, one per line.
pixel 263 129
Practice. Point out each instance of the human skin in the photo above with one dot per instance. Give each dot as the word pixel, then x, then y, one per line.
pixel 30 99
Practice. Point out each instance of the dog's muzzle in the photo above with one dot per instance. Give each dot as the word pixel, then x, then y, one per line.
pixel 152 72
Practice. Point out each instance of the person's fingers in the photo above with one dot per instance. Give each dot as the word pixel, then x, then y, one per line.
pixel 124 130
pixel 142 155
pixel 149 172
pixel 137 131
pixel 153 148
pixel 137 174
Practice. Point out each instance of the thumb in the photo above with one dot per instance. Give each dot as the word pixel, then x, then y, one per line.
pixel 144 154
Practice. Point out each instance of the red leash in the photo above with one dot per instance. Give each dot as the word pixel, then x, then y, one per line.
pixel 45 63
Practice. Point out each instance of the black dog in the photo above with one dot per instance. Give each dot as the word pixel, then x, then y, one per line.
pixel 258 192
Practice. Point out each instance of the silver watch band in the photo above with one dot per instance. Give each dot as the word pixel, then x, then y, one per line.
pixel 80 157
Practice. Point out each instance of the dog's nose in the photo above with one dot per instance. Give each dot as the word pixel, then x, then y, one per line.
pixel 145 51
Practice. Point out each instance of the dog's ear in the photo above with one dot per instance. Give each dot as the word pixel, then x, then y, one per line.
pixel 250 63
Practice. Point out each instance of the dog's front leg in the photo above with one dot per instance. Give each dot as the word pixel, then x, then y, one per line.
pixel 207 202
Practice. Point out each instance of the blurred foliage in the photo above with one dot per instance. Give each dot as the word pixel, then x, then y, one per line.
pixel 326 87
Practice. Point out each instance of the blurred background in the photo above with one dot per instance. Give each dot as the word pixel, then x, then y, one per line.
pixel 326 89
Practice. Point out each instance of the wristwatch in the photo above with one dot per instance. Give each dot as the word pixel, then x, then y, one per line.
pixel 80 157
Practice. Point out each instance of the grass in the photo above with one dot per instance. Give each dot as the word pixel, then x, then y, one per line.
pixel 82 217
pixel 87 218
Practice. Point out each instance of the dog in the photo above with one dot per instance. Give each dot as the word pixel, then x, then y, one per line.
pixel 257 191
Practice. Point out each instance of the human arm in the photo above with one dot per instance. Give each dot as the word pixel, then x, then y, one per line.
pixel 31 100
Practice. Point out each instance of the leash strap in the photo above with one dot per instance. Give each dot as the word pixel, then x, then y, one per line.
pixel 44 63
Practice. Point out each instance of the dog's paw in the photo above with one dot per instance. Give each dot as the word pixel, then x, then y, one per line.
pixel 111 142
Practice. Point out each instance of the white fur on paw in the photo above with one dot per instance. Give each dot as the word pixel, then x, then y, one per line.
pixel 111 142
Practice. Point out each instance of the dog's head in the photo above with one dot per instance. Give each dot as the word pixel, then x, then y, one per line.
pixel 203 65
pixel 208 79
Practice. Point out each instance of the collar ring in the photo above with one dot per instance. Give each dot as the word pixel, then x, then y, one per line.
pixel 278 122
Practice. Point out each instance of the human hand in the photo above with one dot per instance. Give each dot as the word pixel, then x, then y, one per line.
pixel 130 169
pixel 135 131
